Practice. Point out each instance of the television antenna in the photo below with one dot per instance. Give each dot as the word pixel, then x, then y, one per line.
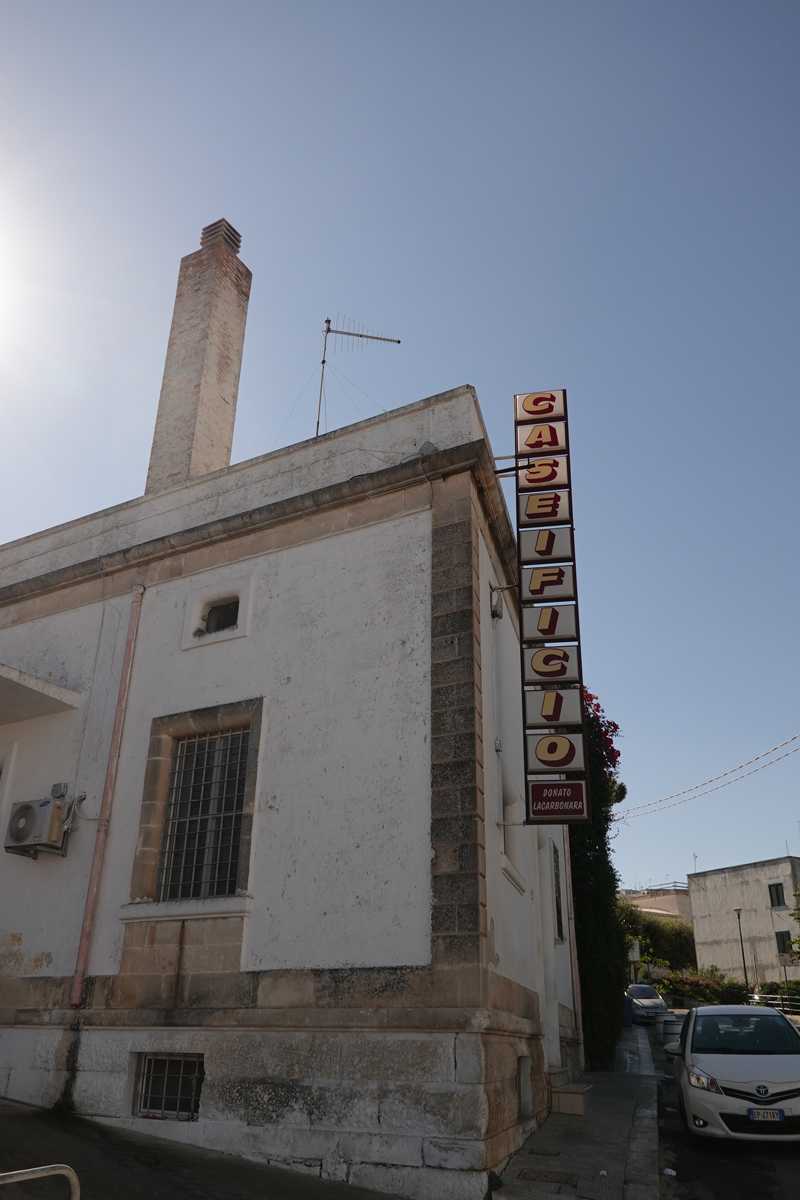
pixel 353 330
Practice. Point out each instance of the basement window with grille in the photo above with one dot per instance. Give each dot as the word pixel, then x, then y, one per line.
pixel 168 1087
pixel 199 854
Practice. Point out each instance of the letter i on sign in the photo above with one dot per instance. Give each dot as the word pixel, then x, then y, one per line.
pixel 548 622
pixel 545 541
pixel 551 705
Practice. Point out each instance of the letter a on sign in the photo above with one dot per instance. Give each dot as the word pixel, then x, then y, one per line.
pixel 540 439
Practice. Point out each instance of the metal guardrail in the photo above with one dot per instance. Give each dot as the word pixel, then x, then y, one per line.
pixel 41 1173
pixel 789 1004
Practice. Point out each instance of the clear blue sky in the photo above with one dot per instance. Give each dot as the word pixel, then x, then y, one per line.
pixel 601 196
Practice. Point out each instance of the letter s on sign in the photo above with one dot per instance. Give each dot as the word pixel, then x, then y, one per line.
pixel 550 664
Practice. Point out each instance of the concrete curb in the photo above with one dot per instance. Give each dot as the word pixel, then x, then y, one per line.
pixel 642 1181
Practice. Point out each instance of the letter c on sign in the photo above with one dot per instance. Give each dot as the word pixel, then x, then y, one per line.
pixel 555 752
pixel 539 404
pixel 551 664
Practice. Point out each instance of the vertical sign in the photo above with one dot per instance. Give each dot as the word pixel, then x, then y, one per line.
pixel 556 783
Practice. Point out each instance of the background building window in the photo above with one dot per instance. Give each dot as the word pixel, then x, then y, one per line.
pixel 169 1086
pixel 784 940
pixel 776 897
pixel 199 853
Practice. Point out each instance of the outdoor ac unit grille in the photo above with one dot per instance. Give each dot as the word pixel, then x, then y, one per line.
pixel 22 824
pixel 168 1087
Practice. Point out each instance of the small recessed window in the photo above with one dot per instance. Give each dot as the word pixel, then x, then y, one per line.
pixel 784 941
pixel 776 897
pixel 557 883
pixel 223 616
pixel 168 1087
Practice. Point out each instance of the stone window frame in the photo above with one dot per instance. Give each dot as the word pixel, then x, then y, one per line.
pixel 164 732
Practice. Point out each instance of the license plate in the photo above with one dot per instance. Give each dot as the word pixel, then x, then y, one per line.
pixel 765 1114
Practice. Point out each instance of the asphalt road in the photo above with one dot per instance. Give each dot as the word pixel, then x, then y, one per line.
pixel 717 1170
pixel 116 1165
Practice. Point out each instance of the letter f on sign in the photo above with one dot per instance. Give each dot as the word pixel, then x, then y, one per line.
pixel 545 577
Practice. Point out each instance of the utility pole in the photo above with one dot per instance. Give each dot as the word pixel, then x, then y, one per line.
pixel 738 912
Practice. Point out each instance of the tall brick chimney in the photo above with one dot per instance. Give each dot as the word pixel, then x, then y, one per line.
pixel 194 426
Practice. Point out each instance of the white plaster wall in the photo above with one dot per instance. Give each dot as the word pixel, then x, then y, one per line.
pixel 42 901
pixel 27 1057
pixel 339 646
pixel 522 915
pixel 450 420
pixel 715 895
pixel 516 925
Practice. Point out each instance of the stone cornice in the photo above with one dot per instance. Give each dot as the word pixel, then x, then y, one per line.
pixel 472 456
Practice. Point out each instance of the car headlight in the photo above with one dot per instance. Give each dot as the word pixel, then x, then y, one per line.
pixel 700 1080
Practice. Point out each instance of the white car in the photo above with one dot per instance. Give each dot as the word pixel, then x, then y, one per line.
pixel 737 1068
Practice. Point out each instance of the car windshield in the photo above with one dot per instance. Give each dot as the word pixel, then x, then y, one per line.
pixel 640 991
pixel 745 1033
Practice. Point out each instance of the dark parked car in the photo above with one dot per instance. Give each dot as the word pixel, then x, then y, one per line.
pixel 645 1001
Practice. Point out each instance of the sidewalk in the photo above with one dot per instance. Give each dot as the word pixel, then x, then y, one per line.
pixel 609 1154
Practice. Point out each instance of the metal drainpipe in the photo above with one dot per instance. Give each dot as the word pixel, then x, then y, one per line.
pixel 76 991
pixel 576 979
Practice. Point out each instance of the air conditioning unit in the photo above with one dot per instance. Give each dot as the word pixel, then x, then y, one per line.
pixel 36 825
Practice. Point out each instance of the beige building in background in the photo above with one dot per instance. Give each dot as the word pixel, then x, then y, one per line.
pixel 667 900
pixel 765 893
pixel 295 911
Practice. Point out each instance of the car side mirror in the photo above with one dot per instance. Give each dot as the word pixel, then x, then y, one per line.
pixel 673 1049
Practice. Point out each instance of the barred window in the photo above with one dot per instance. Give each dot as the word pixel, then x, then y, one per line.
pixel 168 1086
pixel 203 819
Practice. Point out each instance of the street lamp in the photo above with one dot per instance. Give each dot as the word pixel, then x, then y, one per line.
pixel 738 912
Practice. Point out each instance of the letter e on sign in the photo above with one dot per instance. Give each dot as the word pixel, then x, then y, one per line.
pixel 543 508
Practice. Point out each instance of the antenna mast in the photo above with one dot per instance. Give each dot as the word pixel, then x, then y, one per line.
pixel 348 333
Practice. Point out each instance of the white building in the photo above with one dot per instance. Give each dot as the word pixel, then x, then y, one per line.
pixel 315 932
pixel 765 893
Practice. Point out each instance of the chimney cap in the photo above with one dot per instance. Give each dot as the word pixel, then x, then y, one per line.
pixel 221 231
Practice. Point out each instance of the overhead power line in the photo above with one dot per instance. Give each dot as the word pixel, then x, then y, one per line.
pixel 645 810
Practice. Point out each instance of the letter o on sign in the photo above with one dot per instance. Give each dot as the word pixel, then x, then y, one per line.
pixel 556 752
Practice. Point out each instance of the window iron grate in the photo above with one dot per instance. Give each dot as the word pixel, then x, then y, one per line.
pixel 169 1086
pixel 199 854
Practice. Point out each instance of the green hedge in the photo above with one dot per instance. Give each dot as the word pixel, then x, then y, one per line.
pixel 663 941
pixel 789 988
pixel 708 984
pixel 599 936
